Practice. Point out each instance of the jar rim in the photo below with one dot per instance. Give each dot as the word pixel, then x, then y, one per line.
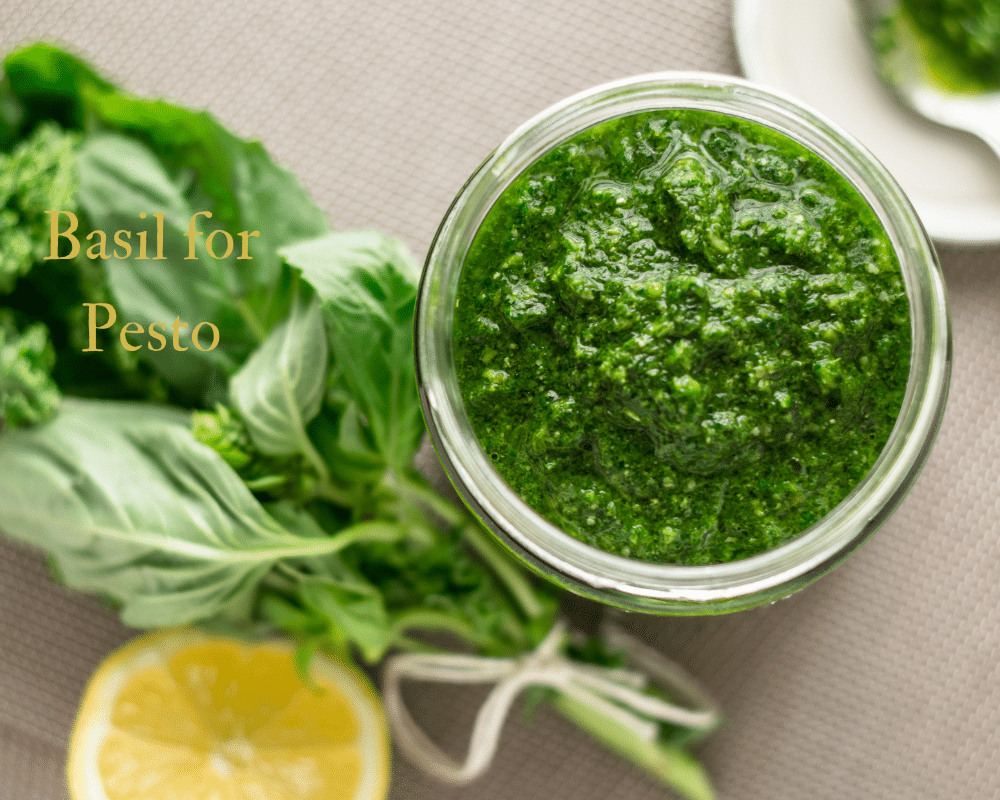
pixel 671 587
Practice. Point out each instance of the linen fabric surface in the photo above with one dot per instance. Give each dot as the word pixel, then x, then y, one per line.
pixel 879 681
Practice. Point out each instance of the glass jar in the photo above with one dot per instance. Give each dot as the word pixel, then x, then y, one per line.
pixel 664 588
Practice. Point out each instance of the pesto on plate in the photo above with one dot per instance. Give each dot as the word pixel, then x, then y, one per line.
pixel 682 337
pixel 961 40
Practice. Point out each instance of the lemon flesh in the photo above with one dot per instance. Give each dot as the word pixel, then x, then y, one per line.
pixel 186 716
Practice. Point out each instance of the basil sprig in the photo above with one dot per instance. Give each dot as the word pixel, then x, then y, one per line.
pixel 269 483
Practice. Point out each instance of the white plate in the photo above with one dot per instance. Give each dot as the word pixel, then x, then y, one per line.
pixel 814 50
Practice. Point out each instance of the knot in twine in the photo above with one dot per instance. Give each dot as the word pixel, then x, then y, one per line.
pixel 614 693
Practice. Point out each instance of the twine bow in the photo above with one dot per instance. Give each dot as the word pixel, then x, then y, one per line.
pixel 615 693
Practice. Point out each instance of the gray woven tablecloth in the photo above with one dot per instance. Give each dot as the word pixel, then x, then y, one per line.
pixel 879 681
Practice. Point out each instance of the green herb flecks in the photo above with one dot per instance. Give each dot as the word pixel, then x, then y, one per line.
pixel 682 337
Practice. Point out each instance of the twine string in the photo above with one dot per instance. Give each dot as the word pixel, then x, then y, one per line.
pixel 614 693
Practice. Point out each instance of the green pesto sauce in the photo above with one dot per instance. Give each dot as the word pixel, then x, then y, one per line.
pixel 961 40
pixel 682 337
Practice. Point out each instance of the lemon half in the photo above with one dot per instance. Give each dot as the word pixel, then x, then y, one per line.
pixel 181 715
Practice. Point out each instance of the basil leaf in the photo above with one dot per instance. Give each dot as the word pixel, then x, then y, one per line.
pixel 245 189
pixel 361 618
pixel 280 389
pixel 346 444
pixel 367 284
pixel 132 507
pixel 45 82
pixel 119 178
pixel 150 156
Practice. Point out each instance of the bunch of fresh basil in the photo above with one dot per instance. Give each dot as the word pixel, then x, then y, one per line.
pixel 267 483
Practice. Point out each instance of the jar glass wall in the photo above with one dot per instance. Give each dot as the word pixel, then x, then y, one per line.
pixel 665 588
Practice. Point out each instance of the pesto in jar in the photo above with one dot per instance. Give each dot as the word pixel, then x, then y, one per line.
pixel 682 337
